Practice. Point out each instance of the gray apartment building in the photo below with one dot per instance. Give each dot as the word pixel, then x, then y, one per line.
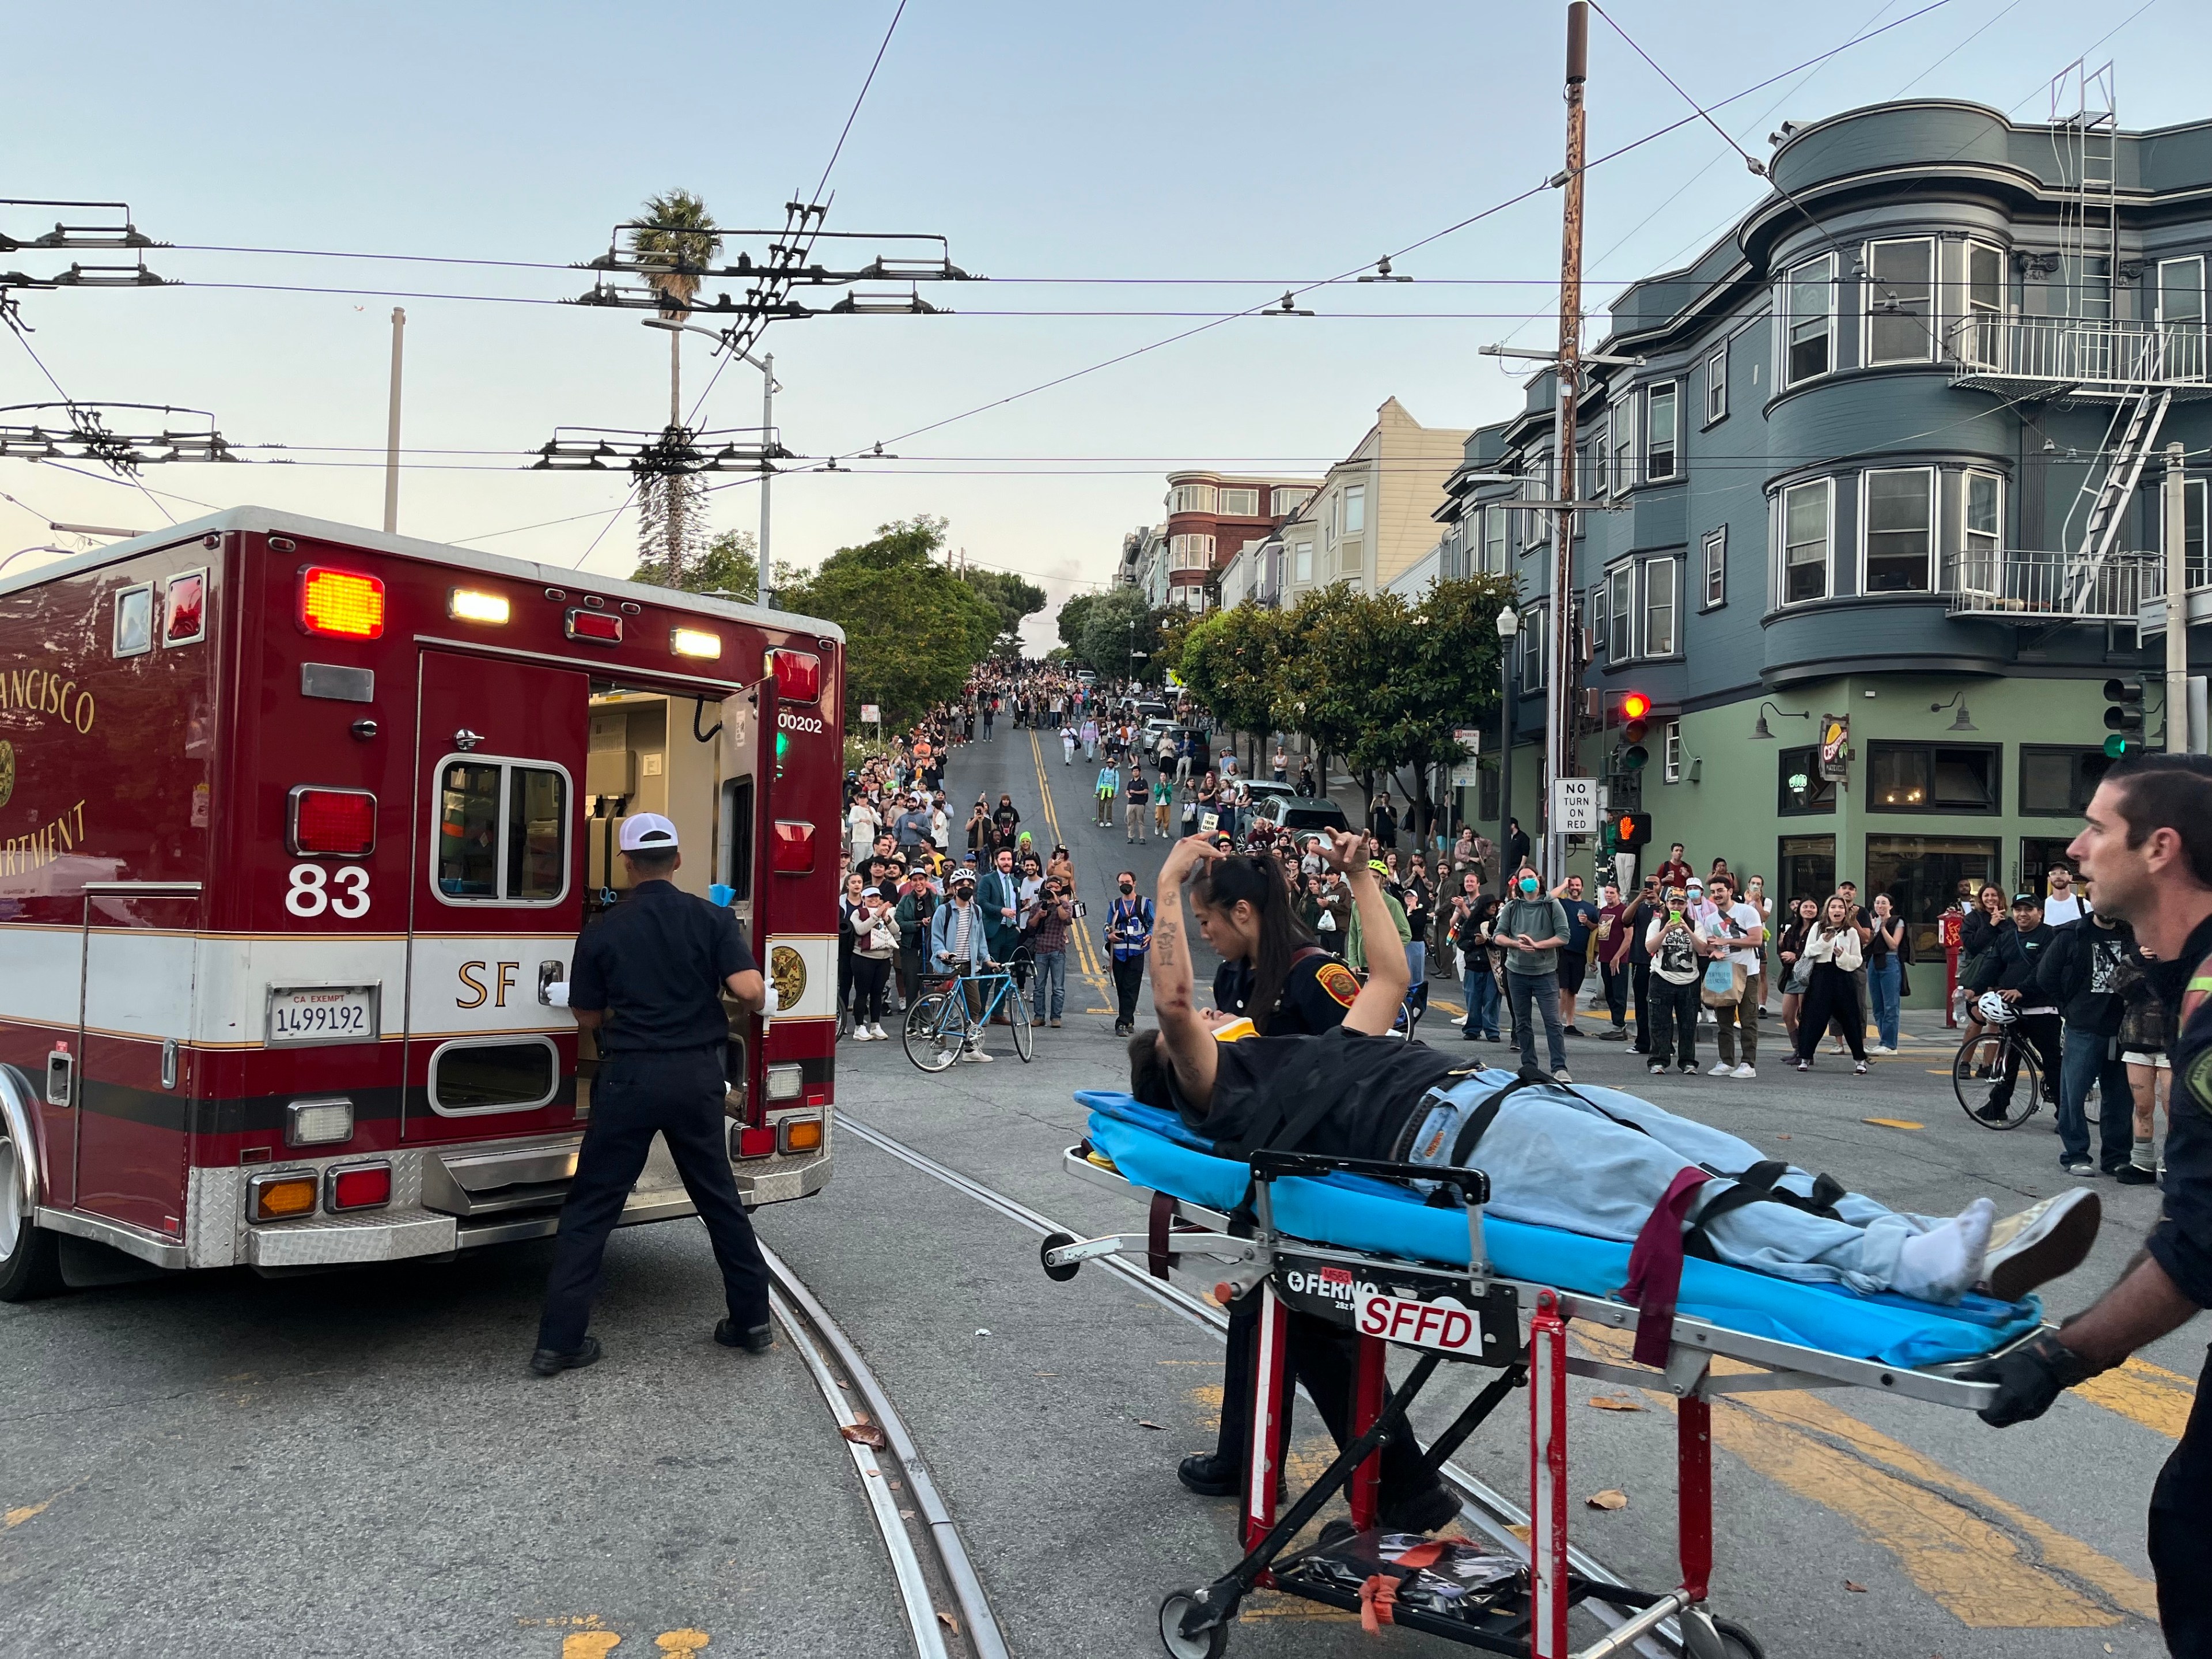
pixel 1889 475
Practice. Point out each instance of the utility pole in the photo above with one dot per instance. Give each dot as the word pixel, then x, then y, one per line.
pixel 391 427
pixel 2176 606
pixel 768 469
pixel 1559 744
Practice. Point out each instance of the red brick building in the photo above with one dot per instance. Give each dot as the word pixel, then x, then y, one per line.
pixel 1211 515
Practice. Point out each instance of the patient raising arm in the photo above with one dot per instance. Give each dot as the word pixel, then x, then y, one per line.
pixel 1185 1035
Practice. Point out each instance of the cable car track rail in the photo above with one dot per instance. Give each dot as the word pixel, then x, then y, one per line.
pixel 827 1354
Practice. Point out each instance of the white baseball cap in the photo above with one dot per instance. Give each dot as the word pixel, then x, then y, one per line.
pixel 647 832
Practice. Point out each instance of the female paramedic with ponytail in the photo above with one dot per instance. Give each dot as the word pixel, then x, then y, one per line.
pixel 1273 973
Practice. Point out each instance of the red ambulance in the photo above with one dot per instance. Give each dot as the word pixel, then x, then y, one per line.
pixel 296 823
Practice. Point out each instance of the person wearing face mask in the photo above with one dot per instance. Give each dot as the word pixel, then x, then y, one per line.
pixel 1128 941
pixel 1531 928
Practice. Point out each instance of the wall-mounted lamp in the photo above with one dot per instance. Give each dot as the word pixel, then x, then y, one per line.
pixel 1961 722
pixel 1764 733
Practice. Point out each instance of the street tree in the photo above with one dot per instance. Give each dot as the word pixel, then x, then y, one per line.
pixel 1016 600
pixel 1121 634
pixel 729 567
pixel 913 630
pixel 1073 612
pixel 1338 650
pixel 673 506
pixel 1232 663
pixel 1447 679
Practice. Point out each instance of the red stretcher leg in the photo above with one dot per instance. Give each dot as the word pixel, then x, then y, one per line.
pixel 1694 1482
pixel 1367 1406
pixel 1266 1457
pixel 1548 1479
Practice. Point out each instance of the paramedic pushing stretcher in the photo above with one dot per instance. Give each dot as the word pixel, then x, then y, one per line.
pixel 2146 844
pixel 648 977
pixel 1601 1164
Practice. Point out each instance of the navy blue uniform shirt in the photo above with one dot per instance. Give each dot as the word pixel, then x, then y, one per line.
pixel 1316 995
pixel 654 965
pixel 2182 1242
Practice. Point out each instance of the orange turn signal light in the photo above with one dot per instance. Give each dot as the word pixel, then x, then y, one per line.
pixel 799 1135
pixel 281 1197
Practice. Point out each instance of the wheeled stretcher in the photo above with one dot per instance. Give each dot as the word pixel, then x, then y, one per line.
pixel 1306 1233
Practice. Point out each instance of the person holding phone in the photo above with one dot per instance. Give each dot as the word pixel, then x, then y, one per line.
pixel 1672 941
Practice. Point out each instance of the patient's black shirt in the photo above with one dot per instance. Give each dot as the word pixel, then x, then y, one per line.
pixel 1374 1084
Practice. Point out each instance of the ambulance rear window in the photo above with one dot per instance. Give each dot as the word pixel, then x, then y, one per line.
pixel 502 833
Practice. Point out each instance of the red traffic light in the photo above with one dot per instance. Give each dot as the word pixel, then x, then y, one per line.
pixel 1634 705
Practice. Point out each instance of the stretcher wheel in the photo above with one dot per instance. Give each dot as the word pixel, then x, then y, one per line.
pixel 1207 1644
pixel 1060 1273
pixel 1737 1642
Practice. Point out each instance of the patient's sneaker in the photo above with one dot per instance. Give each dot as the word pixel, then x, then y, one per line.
pixel 2041 1243
pixel 1422 1512
pixel 1943 1264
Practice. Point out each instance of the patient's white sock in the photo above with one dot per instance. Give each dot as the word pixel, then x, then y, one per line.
pixel 1943 1264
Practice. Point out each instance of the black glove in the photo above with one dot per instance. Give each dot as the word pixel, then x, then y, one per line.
pixel 2028 1379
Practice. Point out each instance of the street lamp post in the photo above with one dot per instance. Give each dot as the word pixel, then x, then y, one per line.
pixel 769 387
pixel 1509 626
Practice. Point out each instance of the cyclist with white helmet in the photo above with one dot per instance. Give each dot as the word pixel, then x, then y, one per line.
pixel 2009 976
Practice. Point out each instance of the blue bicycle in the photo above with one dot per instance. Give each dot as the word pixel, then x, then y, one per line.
pixel 951 1019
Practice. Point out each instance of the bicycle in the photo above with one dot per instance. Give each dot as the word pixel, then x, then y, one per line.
pixel 1986 1060
pixel 940 1025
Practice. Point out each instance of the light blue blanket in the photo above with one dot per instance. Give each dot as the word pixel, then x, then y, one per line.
pixel 1153 1149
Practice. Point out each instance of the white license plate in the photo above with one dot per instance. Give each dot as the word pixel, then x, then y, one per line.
pixel 300 1014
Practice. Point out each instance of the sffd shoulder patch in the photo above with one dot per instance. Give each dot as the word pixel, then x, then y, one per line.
pixel 1339 981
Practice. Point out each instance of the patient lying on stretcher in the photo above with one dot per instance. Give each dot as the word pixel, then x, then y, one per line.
pixel 1597 1162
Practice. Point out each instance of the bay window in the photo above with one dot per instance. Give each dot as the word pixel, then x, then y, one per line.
pixel 1808 523
pixel 1898 512
pixel 1809 311
pixel 1901 294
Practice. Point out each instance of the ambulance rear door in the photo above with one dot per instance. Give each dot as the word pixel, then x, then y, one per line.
pixel 497 899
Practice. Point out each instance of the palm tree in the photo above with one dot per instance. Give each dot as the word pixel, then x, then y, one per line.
pixel 680 234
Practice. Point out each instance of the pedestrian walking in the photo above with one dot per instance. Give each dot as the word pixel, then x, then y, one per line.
pixel 1090 738
pixel 1068 745
pixel 1128 942
pixel 1531 927
pixel 1109 786
pixel 1136 802
pixel 648 978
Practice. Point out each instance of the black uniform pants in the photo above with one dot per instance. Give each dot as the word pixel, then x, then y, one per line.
pixel 677 1095
pixel 1128 980
pixel 1325 1358
pixel 2180 1539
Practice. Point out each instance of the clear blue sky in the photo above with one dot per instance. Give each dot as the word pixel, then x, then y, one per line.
pixel 1276 143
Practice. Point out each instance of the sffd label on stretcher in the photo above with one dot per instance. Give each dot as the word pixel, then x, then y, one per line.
pixel 1444 1324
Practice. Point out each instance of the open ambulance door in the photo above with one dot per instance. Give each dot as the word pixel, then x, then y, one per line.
pixel 744 837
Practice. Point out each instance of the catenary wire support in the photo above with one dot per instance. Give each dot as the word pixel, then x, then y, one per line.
pixel 85 434
pixel 87 226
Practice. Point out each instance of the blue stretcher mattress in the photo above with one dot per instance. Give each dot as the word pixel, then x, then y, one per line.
pixel 1154 1149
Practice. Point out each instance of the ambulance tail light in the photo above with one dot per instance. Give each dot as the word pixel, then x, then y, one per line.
pixel 282 1197
pixel 791 852
pixel 357 1186
pixel 783 1083
pixel 331 823
pixel 751 1143
pixel 797 675
pixel 597 627
pixel 341 604
pixel 799 1134
pixel 318 1123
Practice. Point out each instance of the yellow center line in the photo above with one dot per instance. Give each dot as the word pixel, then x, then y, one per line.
pixel 2149 1395
pixel 1986 1560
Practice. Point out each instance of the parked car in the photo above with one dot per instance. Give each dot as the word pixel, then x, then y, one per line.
pixel 1293 814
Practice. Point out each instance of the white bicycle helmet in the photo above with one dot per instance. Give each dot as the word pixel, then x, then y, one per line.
pixel 1994 1009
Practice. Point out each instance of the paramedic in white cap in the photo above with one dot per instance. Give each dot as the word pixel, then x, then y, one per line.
pixel 648 979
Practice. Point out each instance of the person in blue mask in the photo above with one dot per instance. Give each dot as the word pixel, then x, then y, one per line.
pixel 1530 927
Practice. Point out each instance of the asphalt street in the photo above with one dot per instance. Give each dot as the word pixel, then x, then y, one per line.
pixel 356 1464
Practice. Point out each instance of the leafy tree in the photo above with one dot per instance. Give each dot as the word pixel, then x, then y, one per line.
pixel 1074 611
pixel 728 568
pixel 1340 651
pixel 1116 623
pixel 914 631
pixel 1016 599
pixel 1232 661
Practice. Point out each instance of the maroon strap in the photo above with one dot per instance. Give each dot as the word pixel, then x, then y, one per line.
pixel 1160 1227
pixel 1654 1268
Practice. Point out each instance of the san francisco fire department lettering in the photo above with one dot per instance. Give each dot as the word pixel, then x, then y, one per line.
pixel 503 978
pixel 20 854
pixel 37 691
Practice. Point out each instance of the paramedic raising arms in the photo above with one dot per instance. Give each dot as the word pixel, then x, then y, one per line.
pixel 1186 1036
pixel 2146 845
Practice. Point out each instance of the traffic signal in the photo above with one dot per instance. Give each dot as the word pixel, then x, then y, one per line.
pixel 2124 715
pixel 1632 830
pixel 1635 721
